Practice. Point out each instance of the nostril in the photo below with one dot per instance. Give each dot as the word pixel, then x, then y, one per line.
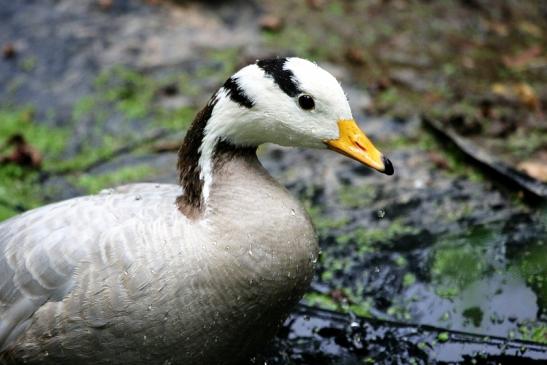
pixel 360 146
pixel 388 166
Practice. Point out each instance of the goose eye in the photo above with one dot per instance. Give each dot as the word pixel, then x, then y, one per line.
pixel 306 102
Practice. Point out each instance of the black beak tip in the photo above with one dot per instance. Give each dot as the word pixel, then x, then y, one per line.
pixel 388 166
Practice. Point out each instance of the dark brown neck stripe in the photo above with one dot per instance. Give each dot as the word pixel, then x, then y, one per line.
pixel 191 201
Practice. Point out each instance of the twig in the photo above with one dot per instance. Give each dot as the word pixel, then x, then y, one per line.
pixel 483 158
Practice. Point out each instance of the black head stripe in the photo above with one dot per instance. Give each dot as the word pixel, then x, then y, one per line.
pixel 236 93
pixel 283 78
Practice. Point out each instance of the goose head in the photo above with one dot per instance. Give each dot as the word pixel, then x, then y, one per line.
pixel 285 101
pixel 290 102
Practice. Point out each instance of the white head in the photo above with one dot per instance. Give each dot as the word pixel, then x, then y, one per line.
pixel 286 101
pixel 293 102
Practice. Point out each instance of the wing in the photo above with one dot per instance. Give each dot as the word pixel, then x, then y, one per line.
pixel 41 249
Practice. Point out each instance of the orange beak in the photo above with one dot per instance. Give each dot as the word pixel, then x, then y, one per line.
pixel 355 144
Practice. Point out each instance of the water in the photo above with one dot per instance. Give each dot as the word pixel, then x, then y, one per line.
pixel 327 338
pixel 476 281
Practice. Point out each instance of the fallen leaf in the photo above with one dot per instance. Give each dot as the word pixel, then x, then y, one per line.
pixel 522 59
pixel 8 51
pixel 271 23
pixel 501 89
pixel 315 4
pixel 536 169
pixel 23 154
pixel 528 96
pixel 530 28
pixel 523 92
pixel 355 56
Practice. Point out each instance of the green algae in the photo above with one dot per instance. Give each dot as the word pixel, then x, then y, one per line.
pixel 409 279
pixel 443 337
pixel 460 260
pixel 130 91
pixel 19 190
pixel 474 315
pixel 364 237
pixel 134 94
pixel 357 196
pixel 529 263
pixel 320 300
pixel 536 332
pixel 351 302
pixel 399 312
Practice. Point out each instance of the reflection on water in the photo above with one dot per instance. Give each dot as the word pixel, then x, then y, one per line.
pixel 490 305
pixel 480 283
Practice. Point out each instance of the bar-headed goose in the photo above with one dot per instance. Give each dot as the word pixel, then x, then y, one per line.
pixel 202 273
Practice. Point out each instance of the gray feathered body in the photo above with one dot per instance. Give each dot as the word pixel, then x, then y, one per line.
pixel 125 277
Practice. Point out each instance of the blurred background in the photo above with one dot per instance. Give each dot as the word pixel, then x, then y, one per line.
pixel 96 93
